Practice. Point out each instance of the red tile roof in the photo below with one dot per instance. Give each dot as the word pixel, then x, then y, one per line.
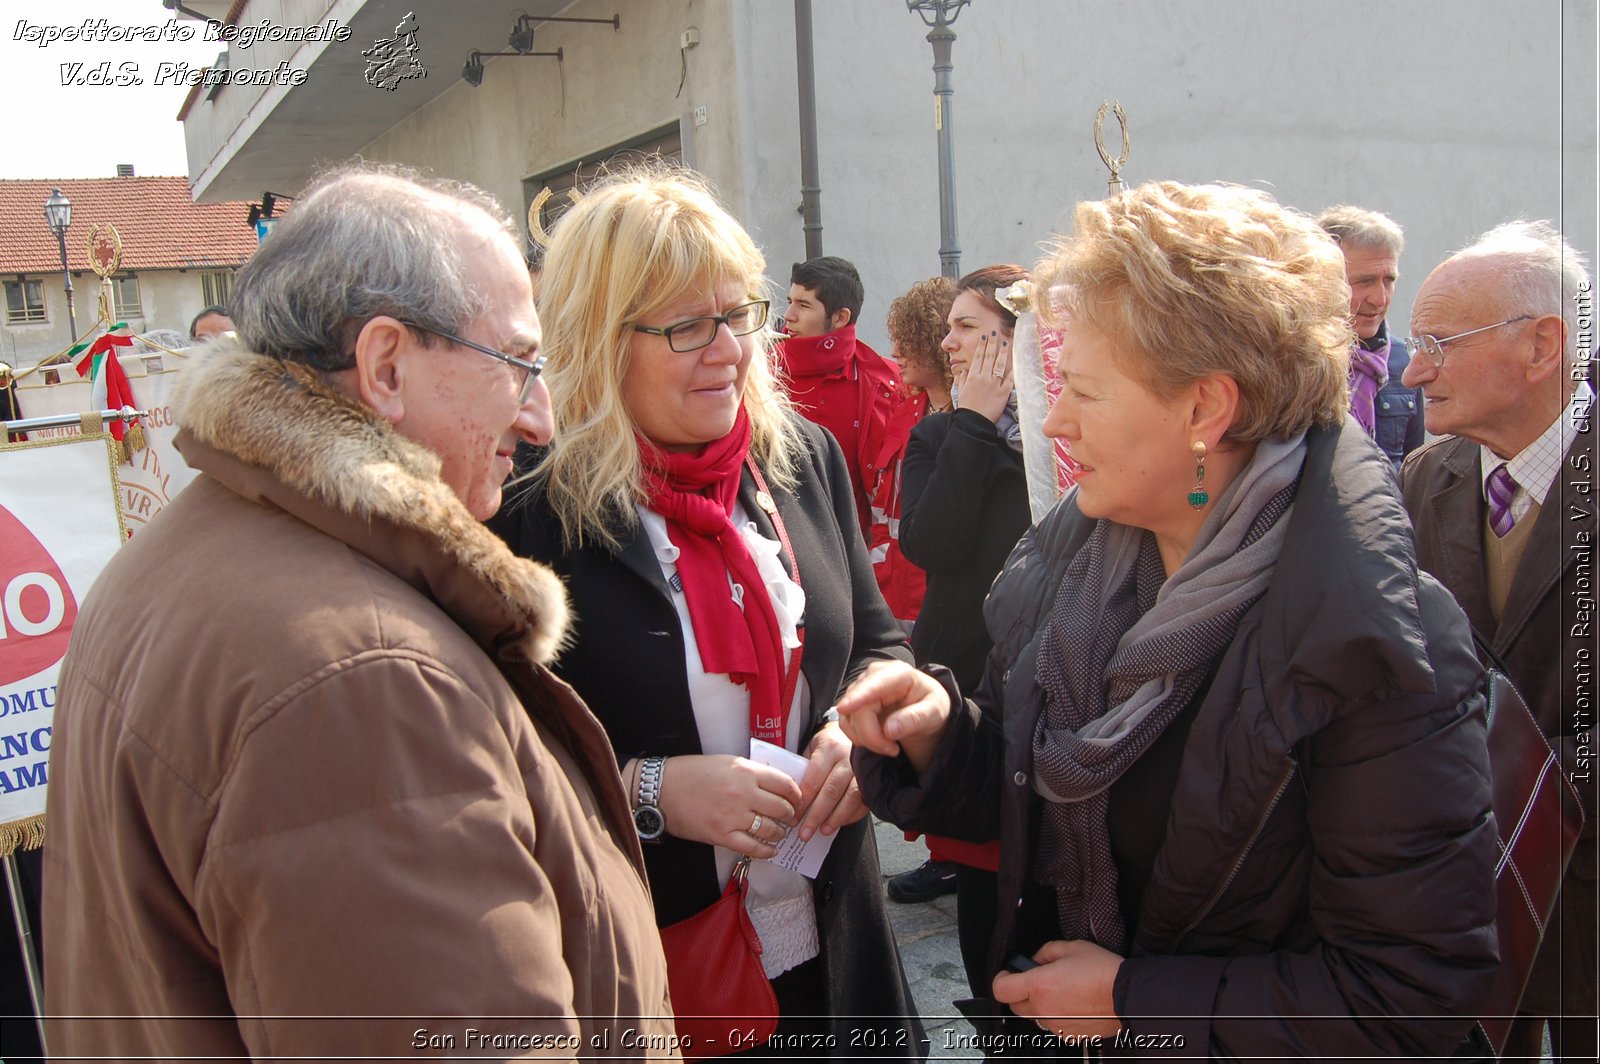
pixel 161 226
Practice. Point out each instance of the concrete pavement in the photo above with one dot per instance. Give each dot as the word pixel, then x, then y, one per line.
pixel 929 952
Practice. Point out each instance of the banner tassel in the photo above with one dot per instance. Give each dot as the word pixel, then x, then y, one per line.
pixel 24 834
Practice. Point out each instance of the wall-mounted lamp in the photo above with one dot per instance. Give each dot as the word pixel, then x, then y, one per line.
pixel 176 5
pixel 267 207
pixel 472 72
pixel 521 39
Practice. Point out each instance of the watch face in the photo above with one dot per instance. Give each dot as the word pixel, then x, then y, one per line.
pixel 647 822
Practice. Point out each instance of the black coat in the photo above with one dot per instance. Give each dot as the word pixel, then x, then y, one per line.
pixel 626 659
pixel 964 505
pixel 1328 858
pixel 1546 637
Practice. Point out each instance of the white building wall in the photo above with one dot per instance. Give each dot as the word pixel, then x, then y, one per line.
pixel 1450 115
pixel 532 115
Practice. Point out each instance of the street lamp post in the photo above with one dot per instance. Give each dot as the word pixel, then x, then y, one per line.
pixel 58 212
pixel 938 16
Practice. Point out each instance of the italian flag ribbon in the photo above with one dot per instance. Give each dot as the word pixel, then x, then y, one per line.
pixel 111 389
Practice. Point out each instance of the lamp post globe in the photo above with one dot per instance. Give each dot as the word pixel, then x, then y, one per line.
pixel 58 213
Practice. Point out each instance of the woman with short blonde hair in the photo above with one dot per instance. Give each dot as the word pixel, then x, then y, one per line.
pixel 1231 739
pixel 1200 279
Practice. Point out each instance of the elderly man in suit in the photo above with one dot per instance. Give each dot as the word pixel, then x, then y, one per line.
pixel 1504 513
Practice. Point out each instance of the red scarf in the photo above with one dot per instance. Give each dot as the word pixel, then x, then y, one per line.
pixel 696 493
pixel 818 356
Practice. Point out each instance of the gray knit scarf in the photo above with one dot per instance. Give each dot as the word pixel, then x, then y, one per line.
pixel 1123 651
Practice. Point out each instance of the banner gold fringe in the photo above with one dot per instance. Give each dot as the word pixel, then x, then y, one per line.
pixel 26 834
pixel 134 440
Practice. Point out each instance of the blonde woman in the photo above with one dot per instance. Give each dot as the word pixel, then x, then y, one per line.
pixel 722 590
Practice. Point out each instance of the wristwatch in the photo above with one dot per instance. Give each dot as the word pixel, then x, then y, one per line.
pixel 647 818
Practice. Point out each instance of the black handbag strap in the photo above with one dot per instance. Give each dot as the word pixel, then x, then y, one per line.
pixel 1486 652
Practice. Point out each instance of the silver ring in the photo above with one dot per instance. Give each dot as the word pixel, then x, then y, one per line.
pixel 999 374
pixel 755 825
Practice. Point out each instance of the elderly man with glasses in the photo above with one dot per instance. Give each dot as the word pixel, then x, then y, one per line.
pixel 313 791
pixel 1505 517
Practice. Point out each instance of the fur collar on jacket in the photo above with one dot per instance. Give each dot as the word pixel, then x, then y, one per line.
pixel 328 458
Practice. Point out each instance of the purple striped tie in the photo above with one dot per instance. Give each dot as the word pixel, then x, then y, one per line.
pixel 1502 489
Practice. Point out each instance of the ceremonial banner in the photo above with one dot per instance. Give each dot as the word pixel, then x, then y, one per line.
pixel 59 525
pixel 158 471
pixel 1047 466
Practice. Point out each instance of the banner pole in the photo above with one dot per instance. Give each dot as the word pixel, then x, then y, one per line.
pixel 58 421
pixel 30 960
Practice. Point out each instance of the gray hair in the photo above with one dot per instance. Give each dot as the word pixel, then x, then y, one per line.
pixel 171 339
pixel 1543 274
pixel 1357 227
pixel 363 240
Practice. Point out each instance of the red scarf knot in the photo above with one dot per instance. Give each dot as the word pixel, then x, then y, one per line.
pixel 697 494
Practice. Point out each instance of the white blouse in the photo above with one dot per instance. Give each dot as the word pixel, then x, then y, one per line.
pixel 780 900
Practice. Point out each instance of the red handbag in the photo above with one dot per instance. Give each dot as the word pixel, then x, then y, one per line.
pixel 721 997
pixel 1538 816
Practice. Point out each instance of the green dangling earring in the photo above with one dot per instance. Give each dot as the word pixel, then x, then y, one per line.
pixel 1198 495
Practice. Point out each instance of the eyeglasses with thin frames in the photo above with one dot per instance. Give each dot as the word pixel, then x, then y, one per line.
pixel 529 370
pixel 695 333
pixel 1432 347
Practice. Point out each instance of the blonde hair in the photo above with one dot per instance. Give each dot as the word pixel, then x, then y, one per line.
pixel 1191 280
pixel 636 242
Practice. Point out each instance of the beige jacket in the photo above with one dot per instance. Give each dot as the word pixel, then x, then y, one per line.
pixel 308 766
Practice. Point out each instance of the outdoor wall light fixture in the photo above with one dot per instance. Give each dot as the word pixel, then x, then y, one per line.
pixel 268 206
pixel 521 39
pixel 472 73
pixel 175 5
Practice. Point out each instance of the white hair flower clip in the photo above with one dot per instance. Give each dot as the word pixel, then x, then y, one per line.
pixel 1017 298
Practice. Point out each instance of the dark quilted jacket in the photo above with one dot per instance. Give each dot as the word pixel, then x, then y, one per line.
pixel 1326 884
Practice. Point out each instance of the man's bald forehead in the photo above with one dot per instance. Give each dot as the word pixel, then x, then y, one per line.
pixel 1479 275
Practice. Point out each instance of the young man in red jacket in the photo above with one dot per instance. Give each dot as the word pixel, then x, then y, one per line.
pixel 833 378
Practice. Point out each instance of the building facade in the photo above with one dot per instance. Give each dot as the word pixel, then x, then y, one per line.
pixel 177 258
pixel 1449 115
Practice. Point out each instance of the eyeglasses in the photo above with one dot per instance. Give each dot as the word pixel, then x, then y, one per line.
pixel 1432 347
pixel 695 333
pixel 528 371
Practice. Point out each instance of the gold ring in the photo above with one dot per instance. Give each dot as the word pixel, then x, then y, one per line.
pixel 755 825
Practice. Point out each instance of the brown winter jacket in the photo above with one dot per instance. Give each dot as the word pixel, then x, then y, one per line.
pixel 308 765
